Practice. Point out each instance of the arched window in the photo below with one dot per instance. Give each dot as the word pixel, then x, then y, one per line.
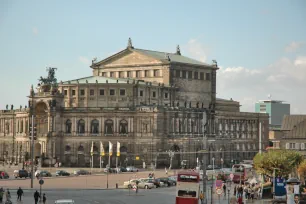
pixel 7 128
pixel 94 127
pixel 68 126
pixel 81 126
pixel 21 126
pixel 67 148
pixel 109 127
pixel 123 127
pixel 81 148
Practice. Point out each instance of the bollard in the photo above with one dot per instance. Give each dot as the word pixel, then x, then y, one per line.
pixel 116 185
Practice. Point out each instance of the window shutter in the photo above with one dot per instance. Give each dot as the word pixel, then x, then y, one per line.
pixel 297 146
pixel 287 145
pixel 302 146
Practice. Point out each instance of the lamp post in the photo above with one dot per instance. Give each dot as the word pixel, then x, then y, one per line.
pixel 241 169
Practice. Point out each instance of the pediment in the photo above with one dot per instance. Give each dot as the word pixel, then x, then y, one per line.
pixel 128 57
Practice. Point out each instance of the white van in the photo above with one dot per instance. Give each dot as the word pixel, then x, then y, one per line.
pixel 64 201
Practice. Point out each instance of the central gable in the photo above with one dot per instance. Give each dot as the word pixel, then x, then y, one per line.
pixel 128 57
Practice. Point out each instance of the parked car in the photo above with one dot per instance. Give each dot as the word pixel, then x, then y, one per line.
pixel 4 175
pixel 131 169
pixel 130 183
pixel 45 174
pixel 110 170
pixel 145 185
pixel 62 173
pixel 211 167
pixel 173 179
pixel 157 183
pixel 21 174
pixel 81 172
pixel 65 201
pixel 122 169
pixel 167 181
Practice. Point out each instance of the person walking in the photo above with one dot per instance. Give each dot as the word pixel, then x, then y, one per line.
pixel 224 190
pixel 19 194
pixel 44 199
pixel 8 195
pixel 36 196
pixel 1 195
pixel 235 191
pixel 201 197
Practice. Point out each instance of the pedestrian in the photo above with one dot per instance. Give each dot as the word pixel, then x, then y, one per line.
pixel 235 190
pixel 224 190
pixel 166 170
pixel 239 200
pixel 2 175
pixel 252 194
pixel 36 196
pixel 1 195
pixel 201 197
pixel 44 198
pixel 19 194
pixel 8 195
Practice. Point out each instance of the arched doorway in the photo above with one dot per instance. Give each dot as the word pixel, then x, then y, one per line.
pixel 41 119
pixel 96 157
pixel 123 156
pixel 81 156
pixel 67 156
pixel 37 150
pixel 176 160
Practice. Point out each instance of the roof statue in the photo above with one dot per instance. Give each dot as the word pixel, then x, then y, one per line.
pixel 178 50
pixel 50 79
pixel 94 60
pixel 214 62
pixel 130 45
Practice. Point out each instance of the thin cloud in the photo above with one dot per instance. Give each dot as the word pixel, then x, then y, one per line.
pixel 195 49
pixel 35 30
pixel 84 60
pixel 285 79
pixel 294 46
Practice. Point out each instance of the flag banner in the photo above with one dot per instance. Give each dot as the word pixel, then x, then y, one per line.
pixel 110 149
pixel 102 152
pixel 118 149
pixel 91 149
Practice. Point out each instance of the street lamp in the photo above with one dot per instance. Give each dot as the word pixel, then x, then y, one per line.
pixel 241 169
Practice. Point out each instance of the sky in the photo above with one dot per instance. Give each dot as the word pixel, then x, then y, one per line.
pixel 260 45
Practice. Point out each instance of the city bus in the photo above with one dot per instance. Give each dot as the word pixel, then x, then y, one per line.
pixel 242 172
pixel 187 187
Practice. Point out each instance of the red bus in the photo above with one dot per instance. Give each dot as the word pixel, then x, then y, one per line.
pixel 242 172
pixel 187 187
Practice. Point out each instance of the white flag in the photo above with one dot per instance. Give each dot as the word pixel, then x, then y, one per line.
pixel 102 153
pixel 91 150
pixel 110 149
pixel 118 149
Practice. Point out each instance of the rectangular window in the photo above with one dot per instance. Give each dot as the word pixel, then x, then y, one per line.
pixel 184 74
pixel 101 92
pixel 112 74
pixel 141 93
pixel 155 73
pixel 196 75
pixel 92 92
pixel 121 75
pixel 82 92
pixel 122 92
pixel 66 92
pixel 189 74
pixel 154 94
pixel 104 74
pixel 207 76
pixel 146 73
pixel 166 95
pixel 112 92
pixel 73 92
pixel 128 74
pixel 178 73
pixel 201 75
pixel 138 74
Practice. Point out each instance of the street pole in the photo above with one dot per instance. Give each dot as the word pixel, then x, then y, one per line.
pixel 211 194
pixel 32 151
pixel 204 177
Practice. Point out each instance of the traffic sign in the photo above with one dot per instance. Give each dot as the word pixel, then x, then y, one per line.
pixel 231 176
pixel 41 182
pixel 219 191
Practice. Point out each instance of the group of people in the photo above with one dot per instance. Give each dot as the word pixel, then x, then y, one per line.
pixel 7 195
pixel 151 175
pixel 248 191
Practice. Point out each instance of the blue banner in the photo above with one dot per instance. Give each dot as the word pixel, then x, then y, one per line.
pixel 280 187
